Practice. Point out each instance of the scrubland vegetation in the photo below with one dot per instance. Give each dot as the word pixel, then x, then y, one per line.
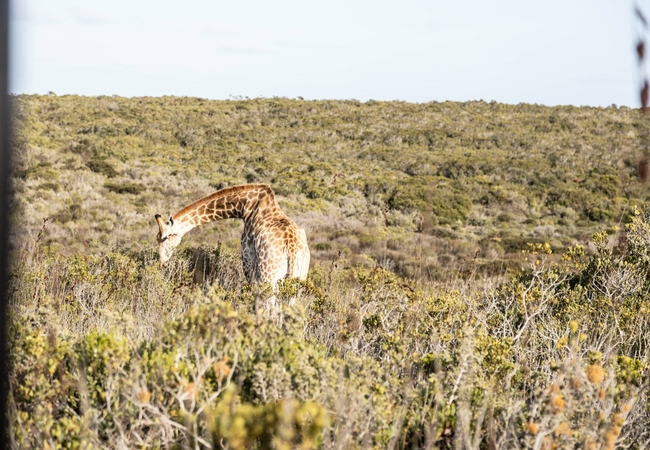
pixel 480 277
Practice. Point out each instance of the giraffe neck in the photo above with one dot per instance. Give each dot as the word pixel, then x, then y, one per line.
pixel 238 202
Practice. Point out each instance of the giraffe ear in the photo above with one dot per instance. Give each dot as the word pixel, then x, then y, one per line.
pixel 161 224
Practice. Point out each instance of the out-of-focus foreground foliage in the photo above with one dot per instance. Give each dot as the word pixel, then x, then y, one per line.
pixel 110 351
pixel 453 301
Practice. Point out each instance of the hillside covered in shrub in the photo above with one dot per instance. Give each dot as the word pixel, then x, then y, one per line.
pixel 362 178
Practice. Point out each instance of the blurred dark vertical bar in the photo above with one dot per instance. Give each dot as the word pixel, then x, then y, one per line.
pixel 5 160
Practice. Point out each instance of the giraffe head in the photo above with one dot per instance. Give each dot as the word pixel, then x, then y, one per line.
pixel 168 238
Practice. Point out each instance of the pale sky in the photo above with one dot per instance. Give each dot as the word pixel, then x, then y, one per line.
pixel 550 52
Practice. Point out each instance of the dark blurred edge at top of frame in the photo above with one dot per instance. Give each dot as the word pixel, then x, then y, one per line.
pixel 5 160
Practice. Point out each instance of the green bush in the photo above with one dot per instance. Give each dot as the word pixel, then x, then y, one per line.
pixel 439 203
pixel 100 165
pixel 43 171
pixel 125 188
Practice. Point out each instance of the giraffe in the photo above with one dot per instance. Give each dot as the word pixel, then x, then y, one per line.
pixel 273 247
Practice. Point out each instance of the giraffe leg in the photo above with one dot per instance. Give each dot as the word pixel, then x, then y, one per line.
pixel 291 261
pixel 302 257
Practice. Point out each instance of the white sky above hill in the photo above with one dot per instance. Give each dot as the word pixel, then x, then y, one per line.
pixel 551 52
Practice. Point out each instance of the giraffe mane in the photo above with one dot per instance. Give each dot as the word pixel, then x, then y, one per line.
pixel 222 193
